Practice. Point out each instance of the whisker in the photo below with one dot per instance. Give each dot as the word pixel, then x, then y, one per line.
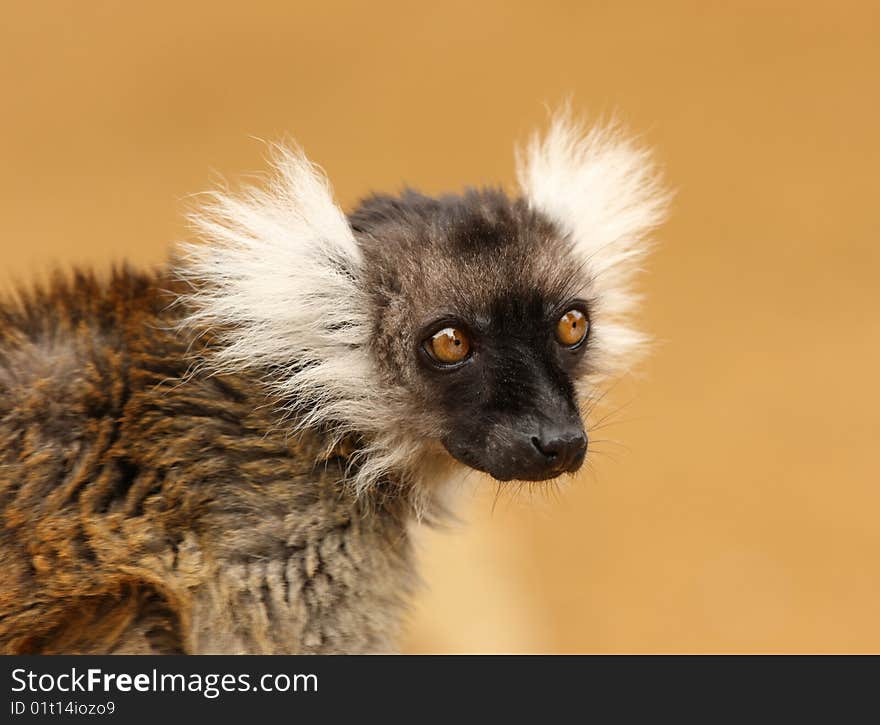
pixel 607 455
pixel 610 441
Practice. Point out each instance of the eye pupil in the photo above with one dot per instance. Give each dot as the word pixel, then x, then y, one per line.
pixel 572 328
pixel 448 346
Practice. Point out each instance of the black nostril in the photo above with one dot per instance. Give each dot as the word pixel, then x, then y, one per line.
pixel 546 448
pixel 562 449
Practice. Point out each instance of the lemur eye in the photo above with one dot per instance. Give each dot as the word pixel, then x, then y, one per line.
pixel 572 328
pixel 448 346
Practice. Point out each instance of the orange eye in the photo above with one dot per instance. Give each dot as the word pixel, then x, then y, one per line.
pixel 449 346
pixel 572 328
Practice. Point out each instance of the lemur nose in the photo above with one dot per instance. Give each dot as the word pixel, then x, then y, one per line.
pixel 563 449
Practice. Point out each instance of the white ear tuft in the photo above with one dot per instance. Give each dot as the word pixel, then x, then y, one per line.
pixel 275 278
pixel 604 191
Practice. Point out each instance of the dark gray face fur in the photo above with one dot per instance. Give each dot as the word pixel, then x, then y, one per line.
pixel 503 274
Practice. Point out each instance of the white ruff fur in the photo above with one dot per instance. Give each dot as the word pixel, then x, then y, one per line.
pixel 276 279
pixel 605 192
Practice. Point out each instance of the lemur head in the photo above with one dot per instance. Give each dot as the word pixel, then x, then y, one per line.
pixel 472 327
pixel 482 312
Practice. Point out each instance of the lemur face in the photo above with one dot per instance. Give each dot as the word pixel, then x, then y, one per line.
pixel 483 313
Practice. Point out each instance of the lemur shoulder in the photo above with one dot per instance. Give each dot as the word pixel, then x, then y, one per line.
pixel 227 454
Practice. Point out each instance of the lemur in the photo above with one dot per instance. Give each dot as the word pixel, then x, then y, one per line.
pixel 227 455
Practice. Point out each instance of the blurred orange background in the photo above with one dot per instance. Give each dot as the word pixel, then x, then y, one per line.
pixel 740 513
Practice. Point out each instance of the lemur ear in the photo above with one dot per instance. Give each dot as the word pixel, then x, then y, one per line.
pixel 604 191
pixel 275 278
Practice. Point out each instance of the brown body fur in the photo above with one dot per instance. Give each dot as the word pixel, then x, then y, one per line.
pixel 146 508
